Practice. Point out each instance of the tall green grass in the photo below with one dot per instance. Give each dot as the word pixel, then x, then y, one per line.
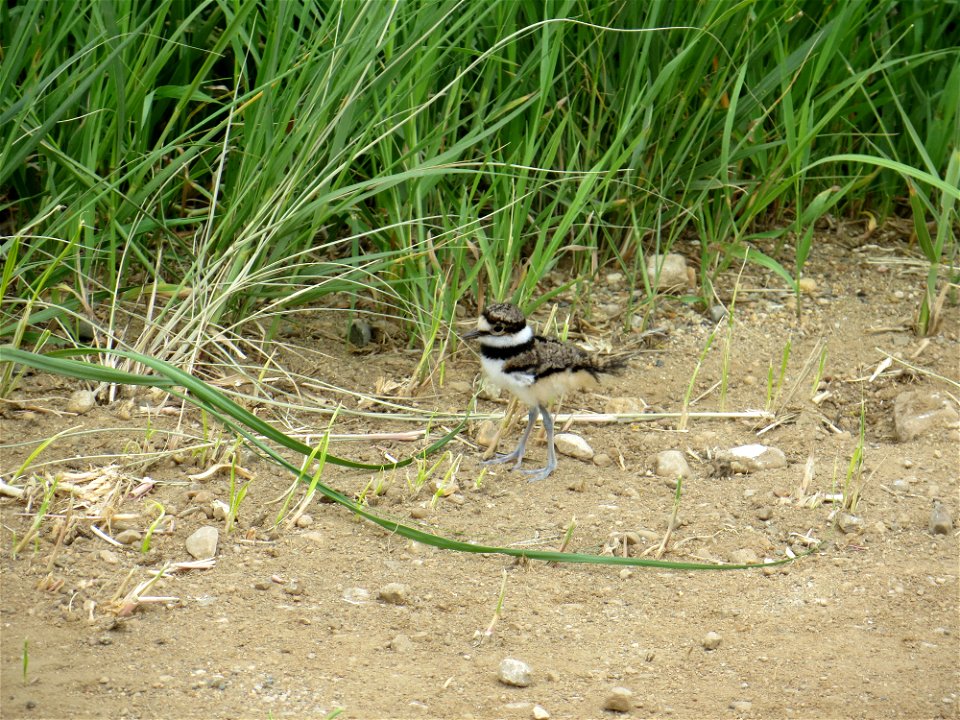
pixel 174 174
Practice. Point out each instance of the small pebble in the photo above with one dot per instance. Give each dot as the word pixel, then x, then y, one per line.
pixel 573 446
pixel 356 595
pixel 602 460
pixel 765 513
pixel 540 713
pixel 670 272
pixel 514 672
pixel 711 641
pixel 294 587
pixel 620 699
pixel 744 556
pixel 394 594
pixel 741 706
pixel 807 285
pixel 401 644
pixel 127 537
pixel 752 458
pixel 202 544
pixel 359 333
pixel 940 521
pixel 623 405
pixel 671 464
pixel 305 520
pixel 486 433
pixel 849 523
pixel 81 402
pixel 109 557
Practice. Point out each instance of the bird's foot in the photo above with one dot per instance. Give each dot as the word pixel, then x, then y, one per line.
pixel 501 459
pixel 540 474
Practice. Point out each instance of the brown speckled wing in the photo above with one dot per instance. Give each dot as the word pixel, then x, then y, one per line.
pixel 547 357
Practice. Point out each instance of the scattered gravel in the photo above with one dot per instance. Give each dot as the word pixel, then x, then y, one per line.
pixel 514 672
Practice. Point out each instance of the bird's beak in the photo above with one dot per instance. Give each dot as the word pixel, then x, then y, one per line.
pixel 473 334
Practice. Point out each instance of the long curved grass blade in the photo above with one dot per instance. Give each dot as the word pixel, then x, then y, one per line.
pixel 169 376
pixel 252 429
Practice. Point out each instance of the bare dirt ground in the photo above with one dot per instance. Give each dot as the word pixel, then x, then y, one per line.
pixel 290 621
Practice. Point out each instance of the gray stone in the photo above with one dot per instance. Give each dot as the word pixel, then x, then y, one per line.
pixel 671 464
pixel 916 412
pixel 620 699
pixel 514 672
pixel 573 445
pixel 202 544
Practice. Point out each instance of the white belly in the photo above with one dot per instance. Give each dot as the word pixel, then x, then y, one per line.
pixel 532 391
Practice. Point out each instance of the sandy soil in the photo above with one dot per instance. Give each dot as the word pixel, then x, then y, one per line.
pixel 290 621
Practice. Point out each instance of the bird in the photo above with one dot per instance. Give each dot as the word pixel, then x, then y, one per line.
pixel 535 369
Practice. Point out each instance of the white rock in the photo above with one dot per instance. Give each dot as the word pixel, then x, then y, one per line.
pixel 540 713
pixel 916 412
pixel 752 458
pixel 673 275
pixel 514 672
pixel 202 544
pixel 620 699
pixel 671 464
pixel 81 401
pixel 573 445
pixel 741 706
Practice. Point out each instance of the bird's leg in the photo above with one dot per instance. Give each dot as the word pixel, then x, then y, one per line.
pixel 551 451
pixel 517 454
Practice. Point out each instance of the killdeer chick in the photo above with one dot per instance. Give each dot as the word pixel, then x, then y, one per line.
pixel 535 369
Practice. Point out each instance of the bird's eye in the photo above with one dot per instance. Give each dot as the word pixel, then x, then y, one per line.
pixel 498 328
